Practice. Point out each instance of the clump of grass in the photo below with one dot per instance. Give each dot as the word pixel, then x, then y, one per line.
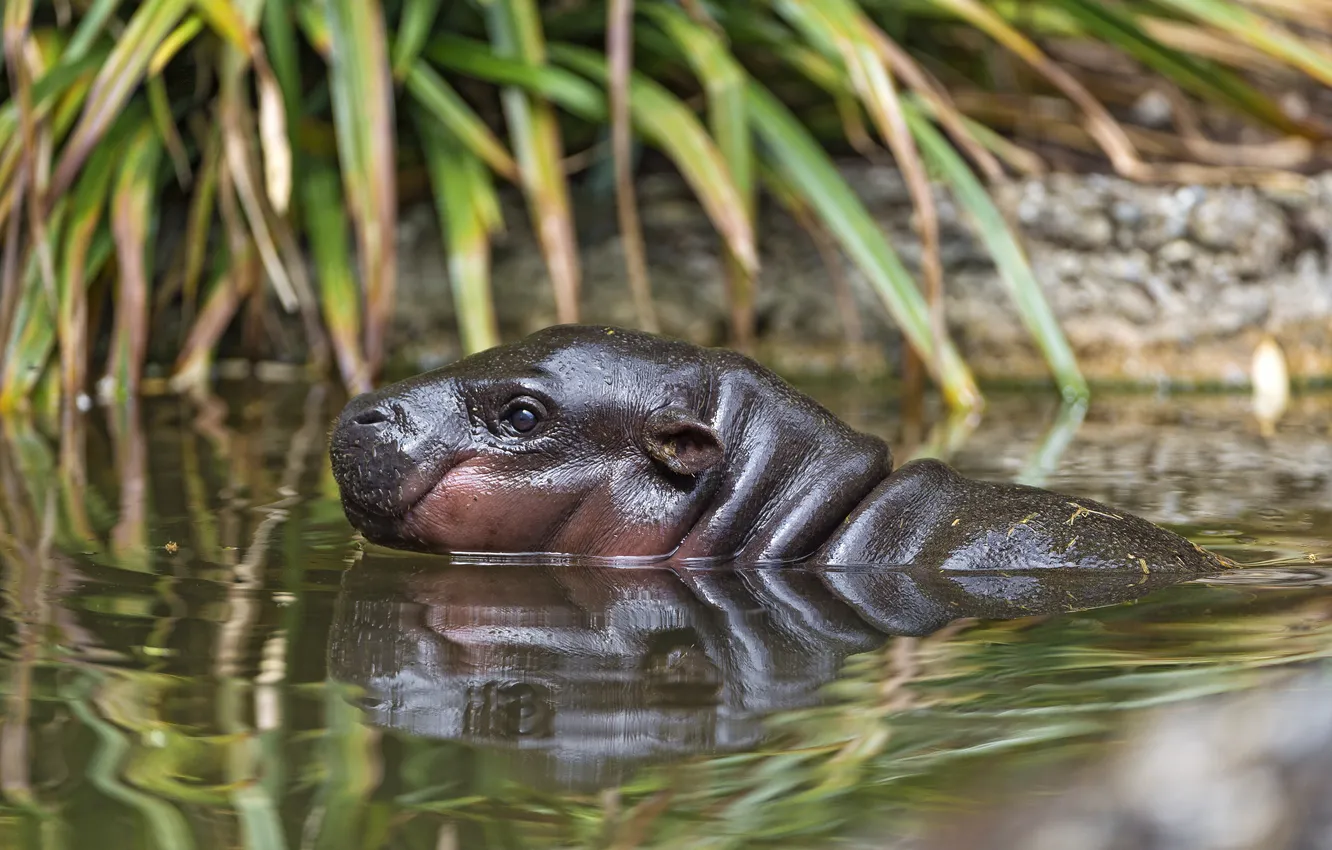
pixel 273 117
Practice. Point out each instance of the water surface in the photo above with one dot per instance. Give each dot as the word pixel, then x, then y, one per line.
pixel 199 654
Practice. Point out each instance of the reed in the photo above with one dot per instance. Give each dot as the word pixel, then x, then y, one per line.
pixel 282 123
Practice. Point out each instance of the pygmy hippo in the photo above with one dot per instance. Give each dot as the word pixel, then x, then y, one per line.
pixel 601 441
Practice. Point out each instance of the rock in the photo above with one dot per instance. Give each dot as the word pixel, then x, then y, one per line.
pixel 1153 109
pixel 1166 216
pixel 1239 222
pixel 1176 252
pixel 1150 283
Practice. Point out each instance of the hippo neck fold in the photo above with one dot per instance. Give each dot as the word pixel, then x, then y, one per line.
pixel 792 473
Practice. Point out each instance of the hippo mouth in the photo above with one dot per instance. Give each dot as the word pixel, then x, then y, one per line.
pixel 403 522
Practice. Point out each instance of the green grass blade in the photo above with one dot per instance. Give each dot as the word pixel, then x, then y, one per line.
pixel 352 761
pixel 228 19
pixel 174 43
pixel 1112 25
pixel 86 212
pixel 160 106
pixel 724 81
pixel 90 26
pixel 314 23
pixel 467 206
pixel 56 82
pixel 1008 256
pixel 808 169
pixel 438 97
pixel 1261 32
pixel 362 88
pixel 284 62
pixel 283 53
pixel 31 335
pixel 840 28
pixel 121 73
pixel 198 223
pixel 132 209
pixel 515 32
pixel 475 59
pixel 326 225
pixel 620 65
pixel 667 123
pixel 418 17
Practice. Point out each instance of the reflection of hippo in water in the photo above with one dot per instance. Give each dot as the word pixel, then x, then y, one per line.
pixel 599 441
pixel 578 673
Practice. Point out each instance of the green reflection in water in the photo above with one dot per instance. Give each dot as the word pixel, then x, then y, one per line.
pixel 199 655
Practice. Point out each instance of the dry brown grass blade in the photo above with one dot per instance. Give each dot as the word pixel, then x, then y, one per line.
pixel 191 369
pixel 199 221
pixel 12 252
pixel 941 104
pixel 1002 112
pixel 131 211
pixel 871 77
pixel 74 343
pixel 236 149
pixel 363 109
pixel 24 63
pixel 190 372
pixel 273 136
pixel 129 443
pixel 853 127
pixel 1289 153
pixel 1315 13
pixel 1112 138
pixel 516 32
pixel 619 49
pixel 119 76
pixel 1100 123
pixel 1209 45
pixel 73 336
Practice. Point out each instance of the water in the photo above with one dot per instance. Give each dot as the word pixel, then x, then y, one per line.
pixel 199 655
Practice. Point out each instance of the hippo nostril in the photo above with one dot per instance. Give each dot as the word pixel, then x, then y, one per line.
pixel 371 417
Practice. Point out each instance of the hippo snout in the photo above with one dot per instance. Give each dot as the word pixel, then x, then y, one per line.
pixel 388 449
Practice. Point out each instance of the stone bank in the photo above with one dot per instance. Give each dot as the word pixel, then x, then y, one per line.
pixel 1152 284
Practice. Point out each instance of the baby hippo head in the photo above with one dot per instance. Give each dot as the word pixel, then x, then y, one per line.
pixel 577 439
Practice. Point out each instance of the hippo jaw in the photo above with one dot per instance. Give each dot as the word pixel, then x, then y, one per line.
pixel 389 453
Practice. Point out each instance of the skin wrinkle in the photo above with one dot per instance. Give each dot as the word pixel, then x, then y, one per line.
pixel 796 481
pixel 652 447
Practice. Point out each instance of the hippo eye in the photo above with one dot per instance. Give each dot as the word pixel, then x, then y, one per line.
pixel 522 416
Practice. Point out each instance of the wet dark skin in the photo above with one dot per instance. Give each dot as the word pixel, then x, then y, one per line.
pixel 592 440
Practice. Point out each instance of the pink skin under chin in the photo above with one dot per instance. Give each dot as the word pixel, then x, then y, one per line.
pixel 471 509
pixel 475 507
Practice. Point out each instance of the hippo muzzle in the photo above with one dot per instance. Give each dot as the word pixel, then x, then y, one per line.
pixel 389 450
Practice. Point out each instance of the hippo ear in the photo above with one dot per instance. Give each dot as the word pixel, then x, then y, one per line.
pixel 681 442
